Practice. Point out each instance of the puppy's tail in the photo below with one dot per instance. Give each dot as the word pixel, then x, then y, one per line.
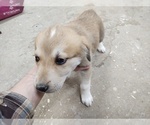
pixel 89 6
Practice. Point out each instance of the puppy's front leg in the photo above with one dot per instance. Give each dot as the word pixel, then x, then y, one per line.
pixel 85 85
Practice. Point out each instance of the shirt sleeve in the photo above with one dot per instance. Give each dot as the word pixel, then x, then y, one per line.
pixel 15 106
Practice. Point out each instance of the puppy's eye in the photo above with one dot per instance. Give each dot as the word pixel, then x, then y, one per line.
pixel 37 59
pixel 60 61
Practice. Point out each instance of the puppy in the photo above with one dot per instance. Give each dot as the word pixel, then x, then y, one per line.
pixel 62 49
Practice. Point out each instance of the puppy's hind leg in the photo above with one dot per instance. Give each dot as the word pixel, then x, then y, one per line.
pixel 85 85
pixel 101 47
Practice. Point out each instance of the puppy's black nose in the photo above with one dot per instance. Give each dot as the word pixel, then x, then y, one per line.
pixel 42 87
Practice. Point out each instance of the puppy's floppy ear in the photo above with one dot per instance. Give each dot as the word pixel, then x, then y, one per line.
pixel 86 49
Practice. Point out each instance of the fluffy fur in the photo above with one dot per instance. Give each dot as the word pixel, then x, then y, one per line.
pixel 73 45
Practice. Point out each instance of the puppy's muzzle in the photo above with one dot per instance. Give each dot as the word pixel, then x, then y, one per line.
pixel 42 87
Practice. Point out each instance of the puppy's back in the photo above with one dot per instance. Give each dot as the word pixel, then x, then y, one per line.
pixel 89 24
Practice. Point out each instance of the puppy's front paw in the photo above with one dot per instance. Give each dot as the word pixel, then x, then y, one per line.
pixel 87 99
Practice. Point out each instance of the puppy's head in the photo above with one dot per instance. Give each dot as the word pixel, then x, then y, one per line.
pixel 58 51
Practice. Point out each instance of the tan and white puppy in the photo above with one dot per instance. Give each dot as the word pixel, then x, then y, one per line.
pixel 62 49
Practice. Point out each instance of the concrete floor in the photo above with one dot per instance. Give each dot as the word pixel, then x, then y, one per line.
pixel 121 76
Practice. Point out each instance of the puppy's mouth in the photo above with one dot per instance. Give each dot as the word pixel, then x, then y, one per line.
pixel 56 88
